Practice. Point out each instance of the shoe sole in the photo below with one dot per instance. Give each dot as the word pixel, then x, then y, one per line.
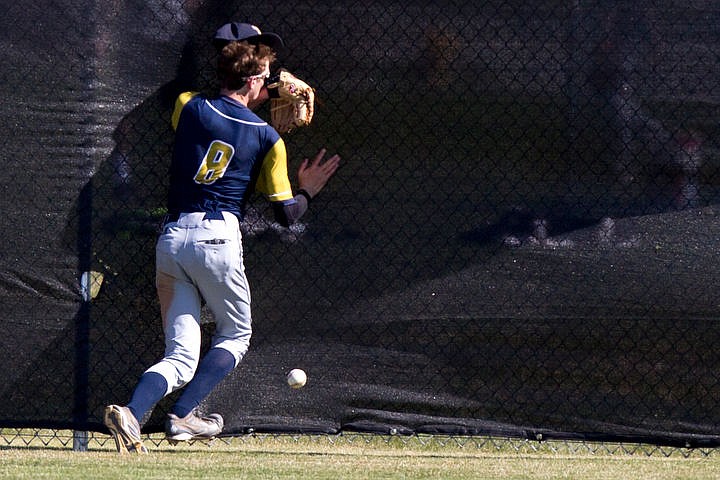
pixel 184 437
pixel 180 437
pixel 115 422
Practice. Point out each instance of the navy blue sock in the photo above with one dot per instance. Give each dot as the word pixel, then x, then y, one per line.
pixel 151 388
pixel 212 369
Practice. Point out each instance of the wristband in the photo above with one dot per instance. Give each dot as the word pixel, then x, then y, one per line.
pixel 305 194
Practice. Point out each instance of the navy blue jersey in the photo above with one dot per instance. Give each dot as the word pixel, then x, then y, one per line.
pixel 223 151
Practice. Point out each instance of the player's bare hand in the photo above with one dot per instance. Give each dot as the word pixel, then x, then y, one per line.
pixel 314 174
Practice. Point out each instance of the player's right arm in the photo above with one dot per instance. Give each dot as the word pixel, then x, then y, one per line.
pixel 274 183
pixel 314 174
pixel 312 177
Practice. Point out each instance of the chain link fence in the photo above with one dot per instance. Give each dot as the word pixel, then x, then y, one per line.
pixel 520 243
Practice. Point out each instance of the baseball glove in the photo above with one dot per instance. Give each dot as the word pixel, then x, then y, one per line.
pixel 292 102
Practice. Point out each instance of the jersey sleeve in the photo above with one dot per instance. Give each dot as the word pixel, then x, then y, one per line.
pixel 180 103
pixel 273 180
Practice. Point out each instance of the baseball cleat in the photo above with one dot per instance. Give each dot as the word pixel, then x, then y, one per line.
pixel 125 429
pixel 192 427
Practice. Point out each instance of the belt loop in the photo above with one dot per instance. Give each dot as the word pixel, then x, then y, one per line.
pixel 213 216
pixel 161 225
pixel 167 218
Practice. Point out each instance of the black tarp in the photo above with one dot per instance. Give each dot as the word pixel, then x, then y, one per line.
pixel 521 240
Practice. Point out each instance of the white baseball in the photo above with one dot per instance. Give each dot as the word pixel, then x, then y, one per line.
pixel 297 378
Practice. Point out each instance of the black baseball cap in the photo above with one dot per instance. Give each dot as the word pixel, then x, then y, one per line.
pixel 238 31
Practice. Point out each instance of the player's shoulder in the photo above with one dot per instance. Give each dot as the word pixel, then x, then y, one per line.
pixel 238 113
pixel 184 99
pixel 188 97
pixel 233 110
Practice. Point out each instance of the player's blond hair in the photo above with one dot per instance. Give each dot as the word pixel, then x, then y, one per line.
pixel 239 60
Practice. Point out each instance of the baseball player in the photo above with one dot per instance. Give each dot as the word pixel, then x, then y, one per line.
pixel 222 152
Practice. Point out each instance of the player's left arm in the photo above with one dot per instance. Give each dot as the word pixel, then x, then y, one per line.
pixel 262 98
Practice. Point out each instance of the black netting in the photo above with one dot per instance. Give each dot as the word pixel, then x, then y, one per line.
pixel 521 240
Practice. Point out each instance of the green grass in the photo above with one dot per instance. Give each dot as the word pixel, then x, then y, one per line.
pixel 355 457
